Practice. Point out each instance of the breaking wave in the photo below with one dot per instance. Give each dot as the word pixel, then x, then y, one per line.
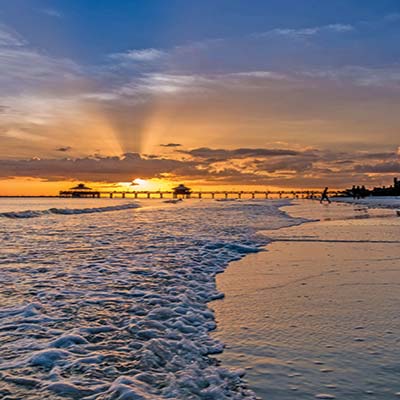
pixel 66 211
pixel 109 308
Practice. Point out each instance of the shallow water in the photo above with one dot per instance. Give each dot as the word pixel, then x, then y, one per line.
pixel 316 315
pixel 112 304
pixel 373 201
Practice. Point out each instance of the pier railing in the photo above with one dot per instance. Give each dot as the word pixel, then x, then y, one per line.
pixel 230 194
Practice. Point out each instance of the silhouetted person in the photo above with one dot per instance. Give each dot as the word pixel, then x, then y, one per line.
pixel 324 196
pixel 354 191
pixel 363 192
pixel 358 192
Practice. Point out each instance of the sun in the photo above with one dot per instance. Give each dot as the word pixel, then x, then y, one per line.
pixel 144 184
pixel 135 184
pixel 140 182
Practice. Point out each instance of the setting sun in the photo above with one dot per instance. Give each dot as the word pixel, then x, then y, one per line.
pixel 139 182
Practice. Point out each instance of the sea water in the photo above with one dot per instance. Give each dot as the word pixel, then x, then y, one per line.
pixel 108 299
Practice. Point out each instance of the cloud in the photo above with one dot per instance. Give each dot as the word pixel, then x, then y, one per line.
pixel 143 55
pixel 378 156
pixel 293 165
pixel 380 168
pixel 168 83
pixel 223 154
pixel 8 37
pixel 293 32
pixel 64 149
pixel 386 76
pixel 24 69
pixel 164 83
pixel 259 166
pixel 259 74
pixel 51 12
pixel 306 32
pixel 171 145
pixel 100 168
pixel 338 28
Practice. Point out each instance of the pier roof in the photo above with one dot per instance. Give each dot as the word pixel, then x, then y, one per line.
pixel 80 186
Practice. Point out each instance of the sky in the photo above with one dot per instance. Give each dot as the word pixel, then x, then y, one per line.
pixel 213 93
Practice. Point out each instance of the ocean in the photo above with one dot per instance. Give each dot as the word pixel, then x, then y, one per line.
pixel 108 299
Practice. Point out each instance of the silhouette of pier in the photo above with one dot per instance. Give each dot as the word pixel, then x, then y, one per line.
pixel 207 194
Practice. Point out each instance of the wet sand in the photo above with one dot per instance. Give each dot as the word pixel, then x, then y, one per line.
pixel 317 314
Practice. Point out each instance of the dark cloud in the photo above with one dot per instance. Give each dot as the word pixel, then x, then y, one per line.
pixel 171 145
pixel 64 149
pixel 242 166
pixel 101 169
pixel 222 154
pixel 294 165
pixel 344 162
pixel 382 168
pixel 379 156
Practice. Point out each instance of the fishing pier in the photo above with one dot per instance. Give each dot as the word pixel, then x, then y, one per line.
pixel 181 192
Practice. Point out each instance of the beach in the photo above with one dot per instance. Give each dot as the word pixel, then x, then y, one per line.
pixel 114 299
pixel 315 315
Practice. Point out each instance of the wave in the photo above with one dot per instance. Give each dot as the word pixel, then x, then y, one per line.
pixel 66 211
pixel 124 315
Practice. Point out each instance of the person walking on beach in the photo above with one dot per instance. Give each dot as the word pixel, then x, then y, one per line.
pixel 324 196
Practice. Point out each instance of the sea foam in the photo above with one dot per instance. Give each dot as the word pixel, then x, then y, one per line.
pixel 67 211
pixel 116 308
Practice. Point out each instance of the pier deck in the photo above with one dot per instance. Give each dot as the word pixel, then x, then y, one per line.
pixel 230 194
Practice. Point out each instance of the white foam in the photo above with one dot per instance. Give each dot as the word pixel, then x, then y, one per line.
pixel 126 298
pixel 66 211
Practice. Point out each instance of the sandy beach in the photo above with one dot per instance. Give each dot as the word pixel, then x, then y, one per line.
pixel 95 305
pixel 315 315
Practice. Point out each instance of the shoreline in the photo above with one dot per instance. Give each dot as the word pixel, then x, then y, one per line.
pixel 249 329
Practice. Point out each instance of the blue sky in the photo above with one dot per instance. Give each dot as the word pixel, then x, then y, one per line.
pixel 102 78
pixel 88 30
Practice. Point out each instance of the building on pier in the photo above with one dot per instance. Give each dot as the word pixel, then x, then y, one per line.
pixel 80 191
pixel 181 190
